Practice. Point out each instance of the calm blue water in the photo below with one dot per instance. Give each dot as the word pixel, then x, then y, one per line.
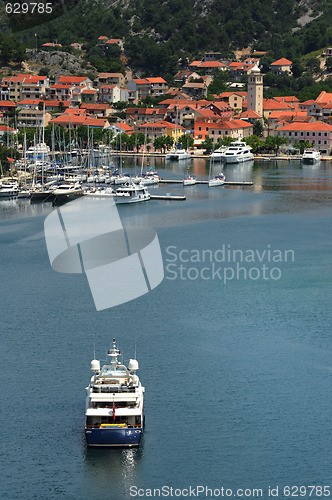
pixel 238 372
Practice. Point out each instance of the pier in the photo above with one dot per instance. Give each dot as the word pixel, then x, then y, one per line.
pixel 166 197
pixel 230 183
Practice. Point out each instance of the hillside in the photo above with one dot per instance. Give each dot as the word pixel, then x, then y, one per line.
pixel 157 34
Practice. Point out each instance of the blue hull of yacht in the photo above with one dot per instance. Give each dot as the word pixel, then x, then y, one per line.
pixel 113 437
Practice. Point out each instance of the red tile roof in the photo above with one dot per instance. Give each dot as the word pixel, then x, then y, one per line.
pixel 7 104
pixel 125 127
pixel 72 79
pixel 250 113
pixel 212 64
pixel 94 106
pixel 56 103
pixel 75 111
pixel 30 101
pixel 67 119
pixel 107 87
pixel 324 97
pixel 308 103
pixel 156 80
pixel 272 104
pixel 162 124
pixel 235 123
pixel 317 126
pixel 282 62
pixel 5 128
pixel 289 98
pixel 286 113
pixel 141 81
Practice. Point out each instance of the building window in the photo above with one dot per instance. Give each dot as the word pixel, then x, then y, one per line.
pixel 308 134
pixel 302 134
pixel 313 134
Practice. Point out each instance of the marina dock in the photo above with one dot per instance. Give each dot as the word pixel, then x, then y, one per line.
pixel 232 183
pixel 166 197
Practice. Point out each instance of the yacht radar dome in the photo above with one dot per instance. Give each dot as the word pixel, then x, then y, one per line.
pixel 95 365
pixel 133 365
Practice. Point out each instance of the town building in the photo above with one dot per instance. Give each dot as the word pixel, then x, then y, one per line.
pixel 281 66
pixel 255 91
pixel 20 87
pixel 110 79
pixel 318 134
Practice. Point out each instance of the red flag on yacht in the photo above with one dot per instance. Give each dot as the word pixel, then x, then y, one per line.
pixel 10 159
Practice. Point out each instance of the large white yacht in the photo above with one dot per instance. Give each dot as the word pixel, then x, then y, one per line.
pixel 310 156
pixel 114 403
pixel 238 152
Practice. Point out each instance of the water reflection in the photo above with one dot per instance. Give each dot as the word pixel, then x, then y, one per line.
pixel 115 468
pixel 278 187
pixel 17 208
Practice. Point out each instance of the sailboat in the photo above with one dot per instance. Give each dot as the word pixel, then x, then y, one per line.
pixel 217 180
pixel 42 192
pixel 190 179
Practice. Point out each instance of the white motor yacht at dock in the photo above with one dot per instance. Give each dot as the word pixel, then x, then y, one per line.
pixel 238 152
pixel 310 156
pixel 131 193
pixel 66 192
pixel 178 154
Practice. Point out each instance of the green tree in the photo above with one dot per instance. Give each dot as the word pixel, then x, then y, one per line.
pixel 258 128
pixel 44 71
pixel 302 145
pixel 207 144
pixel 297 68
pixel 313 65
pixel 274 143
pixel 226 140
pixel 219 83
pixel 255 143
pixel 328 64
pixel 186 141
